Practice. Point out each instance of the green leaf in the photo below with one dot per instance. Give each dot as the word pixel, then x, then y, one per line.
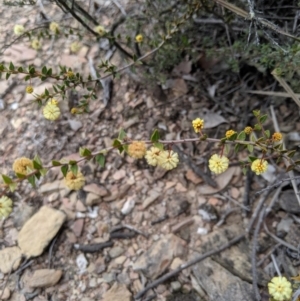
pixel 267 133
pixel 237 148
pixel 250 148
pixel 44 70
pixel 31 180
pixel 291 153
pixel 12 187
pixel 38 160
pixel 43 171
pixel 118 145
pixel 159 145
pixel 100 159
pixel 263 118
pixel 155 136
pixel 11 66
pixel 256 113
pixel 252 158
pixel 36 165
pixel 72 162
pixel 56 163
pixel 233 137
pixel 74 169
pixel 122 134
pixel 20 69
pixel 38 175
pixel 6 179
pixel 257 127
pixel 244 170
pixel 64 169
pixel 241 136
pixel 84 152
pixel 49 72
pixel 227 149
pixel 20 176
pixel 7 76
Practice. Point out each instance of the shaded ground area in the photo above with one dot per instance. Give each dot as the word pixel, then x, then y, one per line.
pixel 153 220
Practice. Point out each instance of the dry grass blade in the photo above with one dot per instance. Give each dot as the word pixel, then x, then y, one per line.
pixel 287 88
pixel 242 13
pixel 291 172
pixel 271 93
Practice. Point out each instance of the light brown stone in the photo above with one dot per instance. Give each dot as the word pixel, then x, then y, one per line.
pixel 117 292
pixel 39 230
pixel 43 278
pixel 10 258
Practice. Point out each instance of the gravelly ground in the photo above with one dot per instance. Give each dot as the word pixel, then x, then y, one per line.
pixel 155 193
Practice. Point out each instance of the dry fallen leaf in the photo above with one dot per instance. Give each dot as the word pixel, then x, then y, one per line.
pixel 212 120
pixel 222 181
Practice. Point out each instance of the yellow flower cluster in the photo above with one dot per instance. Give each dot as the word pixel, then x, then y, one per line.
pixel 22 166
pixel 36 44
pixel 51 110
pixel 229 133
pixel 74 182
pixel 75 46
pixel 70 74
pixel 54 27
pixel 218 164
pixel 259 166
pixel 166 159
pixel 276 137
pixel 5 206
pixel 248 130
pixel 139 38
pixel 18 29
pixel 198 125
pixel 100 30
pixel 137 149
pixel 280 289
pixel 29 89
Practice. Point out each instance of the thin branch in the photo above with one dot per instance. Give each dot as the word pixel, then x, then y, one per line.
pixel 188 264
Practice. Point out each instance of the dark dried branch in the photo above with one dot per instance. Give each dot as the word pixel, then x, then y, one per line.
pixel 186 265
pixel 93 248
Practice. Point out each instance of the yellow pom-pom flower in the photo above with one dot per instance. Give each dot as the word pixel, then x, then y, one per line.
pixel 137 149
pixel 248 130
pixel 22 166
pixel 229 133
pixel 280 289
pixel 5 206
pixel 74 111
pixel 51 111
pixel 74 182
pixel 218 164
pixel 29 89
pixel 70 74
pixel 259 166
pixel 139 38
pixel 100 30
pixel 18 29
pixel 276 137
pixel 168 159
pixel 75 47
pixel 54 27
pixel 198 124
pixel 153 155
pixel 36 44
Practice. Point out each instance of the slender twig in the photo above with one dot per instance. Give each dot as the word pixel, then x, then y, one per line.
pixel 253 255
pixel 268 254
pixel 188 264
